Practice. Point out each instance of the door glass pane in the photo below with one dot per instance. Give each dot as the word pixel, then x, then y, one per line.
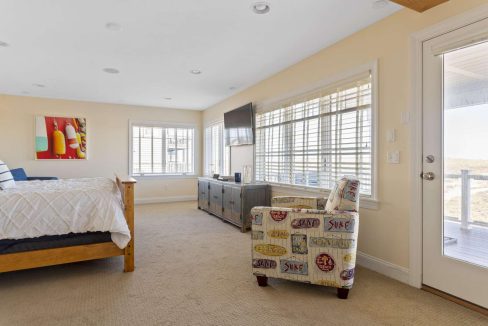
pixel 466 154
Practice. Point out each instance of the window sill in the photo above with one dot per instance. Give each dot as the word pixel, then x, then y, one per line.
pixel 164 176
pixel 289 190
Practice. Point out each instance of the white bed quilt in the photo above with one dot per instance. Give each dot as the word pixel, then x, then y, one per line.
pixel 56 207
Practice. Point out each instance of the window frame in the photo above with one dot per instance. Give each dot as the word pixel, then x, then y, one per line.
pixel 372 201
pixel 160 124
pixel 205 165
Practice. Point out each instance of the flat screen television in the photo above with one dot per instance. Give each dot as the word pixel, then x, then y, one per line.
pixel 239 126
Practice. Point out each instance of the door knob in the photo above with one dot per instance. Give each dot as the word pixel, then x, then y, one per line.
pixel 429 176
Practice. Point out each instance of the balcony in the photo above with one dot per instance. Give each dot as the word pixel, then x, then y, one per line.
pixel 466 217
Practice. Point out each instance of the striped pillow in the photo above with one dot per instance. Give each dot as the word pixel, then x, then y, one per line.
pixel 6 178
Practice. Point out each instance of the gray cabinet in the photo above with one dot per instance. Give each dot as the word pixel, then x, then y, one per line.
pixel 232 201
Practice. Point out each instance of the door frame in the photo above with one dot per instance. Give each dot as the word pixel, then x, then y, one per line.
pixel 415 120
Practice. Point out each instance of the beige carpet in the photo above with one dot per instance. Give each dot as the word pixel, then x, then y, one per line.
pixel 193 269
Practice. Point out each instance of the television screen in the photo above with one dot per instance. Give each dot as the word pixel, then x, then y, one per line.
pixel 239 126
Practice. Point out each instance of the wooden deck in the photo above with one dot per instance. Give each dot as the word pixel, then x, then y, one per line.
pixel 467 245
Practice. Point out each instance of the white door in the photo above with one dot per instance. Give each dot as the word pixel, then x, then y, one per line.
pixel 455 163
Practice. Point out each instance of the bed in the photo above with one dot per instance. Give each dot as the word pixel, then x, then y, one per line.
pixel 45 223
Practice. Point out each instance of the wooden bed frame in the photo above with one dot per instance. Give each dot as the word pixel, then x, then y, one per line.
pixel 56 256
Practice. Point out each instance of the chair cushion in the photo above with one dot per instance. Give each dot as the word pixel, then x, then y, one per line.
pixel 6 178
pixel 344 196
pixel 19 174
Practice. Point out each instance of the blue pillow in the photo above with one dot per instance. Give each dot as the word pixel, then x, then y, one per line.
pixel 19 174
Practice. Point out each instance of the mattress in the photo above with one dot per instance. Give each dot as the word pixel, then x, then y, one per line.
pixel 8 246
pixel 58 207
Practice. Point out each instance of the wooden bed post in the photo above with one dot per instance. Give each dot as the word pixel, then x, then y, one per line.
pixel 126 186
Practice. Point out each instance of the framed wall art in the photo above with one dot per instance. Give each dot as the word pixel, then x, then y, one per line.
pixel 61 138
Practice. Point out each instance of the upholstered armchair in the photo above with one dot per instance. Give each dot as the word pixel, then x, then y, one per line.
pixel 308 239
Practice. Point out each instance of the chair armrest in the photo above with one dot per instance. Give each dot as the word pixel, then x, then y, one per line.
pixel 42 178
pixel 298 202
pixel 306 211
pixel 329 221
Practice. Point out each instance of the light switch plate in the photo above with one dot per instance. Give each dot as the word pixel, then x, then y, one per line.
pixel 393 157
pixel 391 135
pixel 405 117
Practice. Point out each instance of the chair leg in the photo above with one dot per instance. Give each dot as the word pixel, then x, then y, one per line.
pixel 342 293
pixel 262 280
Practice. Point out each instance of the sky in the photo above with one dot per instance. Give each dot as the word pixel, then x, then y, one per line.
pixel 466 132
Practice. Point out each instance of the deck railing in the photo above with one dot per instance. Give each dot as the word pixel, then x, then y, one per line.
pixel 466 178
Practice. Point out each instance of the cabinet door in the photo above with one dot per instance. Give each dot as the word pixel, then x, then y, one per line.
pixel 227 202
pixel 215 198
pixel 203 194
pixel 236 205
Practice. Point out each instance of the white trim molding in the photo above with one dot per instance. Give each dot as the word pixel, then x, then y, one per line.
pixel 415 103
pixel 160 200
pixel 384 267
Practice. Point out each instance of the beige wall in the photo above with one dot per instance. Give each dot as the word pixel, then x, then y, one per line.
pixel 384 233
pixel 108 147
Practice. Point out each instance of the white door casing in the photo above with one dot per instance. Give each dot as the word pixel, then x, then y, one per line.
pixel 455 277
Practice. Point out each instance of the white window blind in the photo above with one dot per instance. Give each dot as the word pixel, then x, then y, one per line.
pixel 162 150
pixel 315 139
pixel 217 155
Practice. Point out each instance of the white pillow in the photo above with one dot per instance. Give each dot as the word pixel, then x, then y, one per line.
pixel 6 178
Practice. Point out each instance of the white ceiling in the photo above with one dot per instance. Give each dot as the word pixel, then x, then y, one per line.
pixel 64 45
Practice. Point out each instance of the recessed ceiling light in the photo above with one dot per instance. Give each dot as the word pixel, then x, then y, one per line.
pixel 196 71
pixel 168 98
pixel 39 85
pixel 111 26
pixel 111 70
pixel 232 88
pixel 3 44
pixel 378 4
pixel 261 7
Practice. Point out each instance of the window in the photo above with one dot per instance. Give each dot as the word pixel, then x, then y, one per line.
pixel 217 155
pixel 315 139
pixel 162 150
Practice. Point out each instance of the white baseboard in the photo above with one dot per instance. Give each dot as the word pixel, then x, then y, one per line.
pixel 159 200
pixel 381 266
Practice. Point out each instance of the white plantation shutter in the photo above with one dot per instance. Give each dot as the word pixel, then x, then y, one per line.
pixel 217 155
pixel 160 150
pixel 315 139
